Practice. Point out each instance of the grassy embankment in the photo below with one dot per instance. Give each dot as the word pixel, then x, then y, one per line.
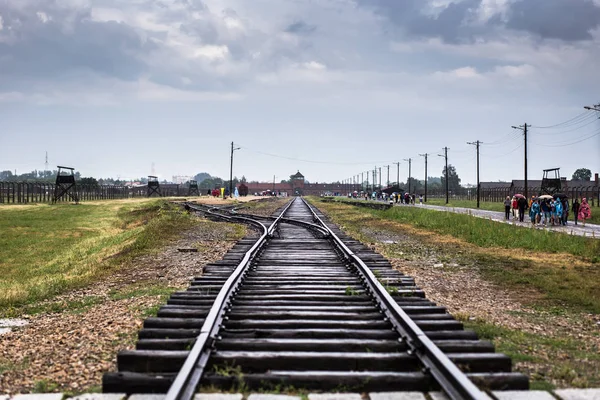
pixel 46 250
pixel 499 206
pixel 552 273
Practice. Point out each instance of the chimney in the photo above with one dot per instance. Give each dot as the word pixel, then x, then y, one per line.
pixel 596 178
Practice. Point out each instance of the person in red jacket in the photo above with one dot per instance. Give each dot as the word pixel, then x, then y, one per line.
pixel 514 207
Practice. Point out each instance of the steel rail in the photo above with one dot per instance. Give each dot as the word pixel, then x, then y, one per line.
pixel 188 377
pixel 450 378
pixel 308 225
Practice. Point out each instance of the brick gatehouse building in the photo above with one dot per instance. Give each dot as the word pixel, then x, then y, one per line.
pixel 296 186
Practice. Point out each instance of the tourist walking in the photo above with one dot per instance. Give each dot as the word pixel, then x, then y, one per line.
pixel 565 214
pixel 576 209
pixel 522 204
pixel 514 207
pixel 507 204
pixel 545 211
pixel 584 211
pixel 558 212
pixel 534 211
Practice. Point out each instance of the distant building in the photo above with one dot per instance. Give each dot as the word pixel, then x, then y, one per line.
pixel 297 186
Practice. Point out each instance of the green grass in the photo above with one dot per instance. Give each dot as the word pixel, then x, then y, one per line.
pixel 44 386
pixel 483 205
pixel 499 206
pixel 141 290
pixel 558 361
pixel 486 233
pixel 69 306
pixel 49 249
pixel 572 284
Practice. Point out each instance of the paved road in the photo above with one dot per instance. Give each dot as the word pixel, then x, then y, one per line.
pixel 590 230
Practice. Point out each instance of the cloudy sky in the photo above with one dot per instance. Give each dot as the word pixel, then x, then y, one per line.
pixel 332 88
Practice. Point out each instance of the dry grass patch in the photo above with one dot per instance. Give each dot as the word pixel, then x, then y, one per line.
pixel 48 249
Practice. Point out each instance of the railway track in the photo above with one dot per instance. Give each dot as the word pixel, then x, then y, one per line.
pixel 305 306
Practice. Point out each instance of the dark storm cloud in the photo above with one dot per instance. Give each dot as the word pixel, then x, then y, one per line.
pixel 569 20
pixel 300 27
pixel 451 24
pixel 46 41
pixel 410 16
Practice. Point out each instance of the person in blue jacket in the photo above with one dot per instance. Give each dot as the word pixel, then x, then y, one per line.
pixel 534 211
pixel 558 210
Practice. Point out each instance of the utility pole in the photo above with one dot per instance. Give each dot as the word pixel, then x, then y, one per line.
pixel 524 129
pixel 379 178
pixel 446 170
pixel 231 172
pixel 362 181
pixel 477 143
pixel 398 175
pixel 425 155
pixel 388 180
pixel 374 178
pixel 273 184
pixel 368 172
pixel 409 172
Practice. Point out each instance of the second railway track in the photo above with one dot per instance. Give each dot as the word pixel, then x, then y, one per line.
pixel 306 307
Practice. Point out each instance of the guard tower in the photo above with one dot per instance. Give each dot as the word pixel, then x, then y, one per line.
pixel 551 181
pixel 153 186
pixel 193 188
pixel 65 185
pixel 297 183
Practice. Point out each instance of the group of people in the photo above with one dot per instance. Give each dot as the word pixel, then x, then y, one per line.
pixel 398 198
pixel 546 211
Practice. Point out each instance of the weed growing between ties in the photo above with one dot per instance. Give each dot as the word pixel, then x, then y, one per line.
pixel 47 250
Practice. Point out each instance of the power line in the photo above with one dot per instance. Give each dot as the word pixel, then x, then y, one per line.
pixel 504 139
pixel 304 160
pixel 505 154
pixel 594 119
pixel 571 143
pixel 584 114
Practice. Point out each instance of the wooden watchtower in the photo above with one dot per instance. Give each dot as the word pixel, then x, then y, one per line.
pixel 65 185
pixel 153 186
pixel 551 183
pixel 193 188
